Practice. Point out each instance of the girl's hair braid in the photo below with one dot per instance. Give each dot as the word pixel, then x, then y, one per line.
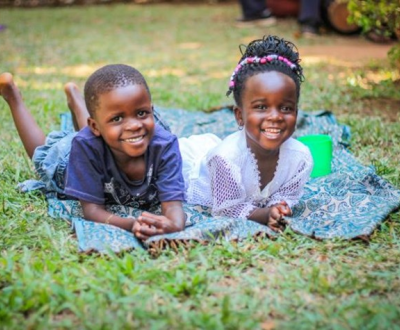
pixel 283 57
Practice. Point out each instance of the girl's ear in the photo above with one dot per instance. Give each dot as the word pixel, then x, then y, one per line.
pixel 93 126
pixel 238 115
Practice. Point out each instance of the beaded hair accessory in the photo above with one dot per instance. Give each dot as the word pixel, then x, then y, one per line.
pixel 261 60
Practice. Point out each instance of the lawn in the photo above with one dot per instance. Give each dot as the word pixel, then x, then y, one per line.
pixel 187 53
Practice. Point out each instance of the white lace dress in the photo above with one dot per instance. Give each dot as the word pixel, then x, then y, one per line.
pixel 224 174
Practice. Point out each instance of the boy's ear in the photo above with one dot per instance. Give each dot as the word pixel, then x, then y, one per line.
pixel 93 126
pixel 238 115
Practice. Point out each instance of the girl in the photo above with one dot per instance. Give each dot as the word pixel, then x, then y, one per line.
pixel 258 172
pixel 119 156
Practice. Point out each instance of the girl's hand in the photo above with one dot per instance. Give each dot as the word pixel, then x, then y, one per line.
pixel 149 224
pixel 275 216
pixel 284 209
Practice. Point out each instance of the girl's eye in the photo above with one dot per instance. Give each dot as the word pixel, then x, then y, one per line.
pixel 287 109
pixel 116 119
pixel 261 107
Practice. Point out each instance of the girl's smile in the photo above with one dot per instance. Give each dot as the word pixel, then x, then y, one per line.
pixel 271 133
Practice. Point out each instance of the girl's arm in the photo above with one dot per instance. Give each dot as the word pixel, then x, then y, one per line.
pixel 97 213
pixel 230 199
pixel 228 194
pixel 171 220
pixel 292 190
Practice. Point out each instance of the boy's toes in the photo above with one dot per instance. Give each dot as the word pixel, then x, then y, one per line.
pixel 6 79
pixel 7 87
pixel 70 88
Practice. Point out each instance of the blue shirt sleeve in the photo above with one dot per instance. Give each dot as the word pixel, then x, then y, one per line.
pixel 85 178
pixel 170 184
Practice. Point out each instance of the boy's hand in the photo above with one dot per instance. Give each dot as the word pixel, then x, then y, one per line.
pixel 149 224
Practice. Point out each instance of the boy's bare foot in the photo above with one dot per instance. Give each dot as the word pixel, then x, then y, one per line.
pixel 8 89
pixel 75 99
pixel 77 105
pixel 29 131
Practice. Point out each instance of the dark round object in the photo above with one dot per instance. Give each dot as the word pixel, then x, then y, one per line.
pixel 334 13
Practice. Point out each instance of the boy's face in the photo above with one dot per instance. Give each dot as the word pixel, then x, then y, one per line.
pixel 269 111
pixel 124 119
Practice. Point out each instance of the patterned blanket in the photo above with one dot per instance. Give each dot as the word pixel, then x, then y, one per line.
pixel 348 203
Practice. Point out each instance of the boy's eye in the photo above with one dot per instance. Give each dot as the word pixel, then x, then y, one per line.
pixel 116 119
pixel 142 113
pixel 261 107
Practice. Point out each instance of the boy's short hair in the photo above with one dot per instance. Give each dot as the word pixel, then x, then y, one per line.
pixel 108 78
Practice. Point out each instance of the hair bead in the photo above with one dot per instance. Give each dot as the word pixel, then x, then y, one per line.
pixel 271 53
pixel 261 60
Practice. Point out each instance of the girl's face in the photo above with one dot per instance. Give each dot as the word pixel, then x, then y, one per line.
pixel 124 119
pixel 268 112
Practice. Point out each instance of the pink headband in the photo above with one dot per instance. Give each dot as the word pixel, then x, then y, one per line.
pixel 261 60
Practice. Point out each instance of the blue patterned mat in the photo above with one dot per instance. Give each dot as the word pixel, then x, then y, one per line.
pixel 348 203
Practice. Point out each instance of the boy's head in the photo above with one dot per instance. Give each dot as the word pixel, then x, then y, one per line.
pixel 108 78
pixel 270 53
pixel 121 112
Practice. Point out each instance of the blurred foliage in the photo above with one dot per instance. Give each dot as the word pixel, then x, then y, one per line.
pixel 379 16
pixel 371 14
pixel 58 3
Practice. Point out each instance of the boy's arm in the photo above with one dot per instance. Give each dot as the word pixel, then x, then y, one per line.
pixel 97 213
pixel 172 220
pixel 173 210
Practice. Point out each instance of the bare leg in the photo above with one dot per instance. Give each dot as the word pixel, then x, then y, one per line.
pixel 29 131
pixel 77 105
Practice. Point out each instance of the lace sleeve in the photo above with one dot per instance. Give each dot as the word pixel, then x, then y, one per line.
pixel 292 190
pixel 228 192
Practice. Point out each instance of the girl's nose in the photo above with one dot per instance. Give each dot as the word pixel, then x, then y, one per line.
pixel 274 114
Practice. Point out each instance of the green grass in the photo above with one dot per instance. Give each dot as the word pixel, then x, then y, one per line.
pixel 187 53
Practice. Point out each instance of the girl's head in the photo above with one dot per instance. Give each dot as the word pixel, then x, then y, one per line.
pixel 266 87
pixel 270 53
pixel 121 112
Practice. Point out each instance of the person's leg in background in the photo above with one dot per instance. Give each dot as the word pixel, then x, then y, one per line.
pixel 255 11
pixel 310 17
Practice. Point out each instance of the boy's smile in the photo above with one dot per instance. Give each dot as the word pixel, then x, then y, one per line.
pixel 268 111
pixel 124 119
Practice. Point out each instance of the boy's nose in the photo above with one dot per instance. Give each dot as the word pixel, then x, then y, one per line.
pixel 133 124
